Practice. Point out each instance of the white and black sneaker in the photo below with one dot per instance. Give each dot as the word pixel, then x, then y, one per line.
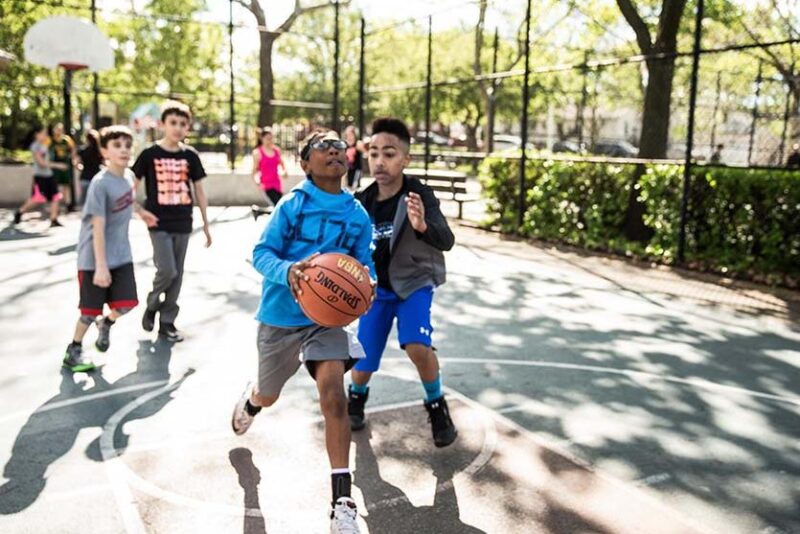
pixel 241 419
pixel 170 333
pixel 344 517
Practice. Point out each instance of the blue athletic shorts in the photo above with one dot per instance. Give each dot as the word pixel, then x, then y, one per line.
pixel 413 324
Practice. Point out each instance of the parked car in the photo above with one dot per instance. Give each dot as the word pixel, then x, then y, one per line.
pixel 435 139
pixel 501 142
pixel 616 149
pixel 570 147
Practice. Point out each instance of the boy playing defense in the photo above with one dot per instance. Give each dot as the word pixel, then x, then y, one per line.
pixel 317 216
pixel 105 262
pixel 410 234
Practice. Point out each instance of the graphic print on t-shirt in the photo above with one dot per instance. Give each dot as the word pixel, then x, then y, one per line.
pixel 381 231
pixel 120 203
pixel 172 181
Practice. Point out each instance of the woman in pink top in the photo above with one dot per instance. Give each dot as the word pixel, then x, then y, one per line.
pixel 266 160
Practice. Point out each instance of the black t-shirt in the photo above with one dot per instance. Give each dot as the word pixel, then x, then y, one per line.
pixel 167 189
pixel 382 214
pixel 90 157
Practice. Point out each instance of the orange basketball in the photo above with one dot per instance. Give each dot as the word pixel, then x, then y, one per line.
pixel 338 290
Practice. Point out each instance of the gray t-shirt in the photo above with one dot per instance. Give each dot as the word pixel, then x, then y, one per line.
pixel 38 148
pixel 111 197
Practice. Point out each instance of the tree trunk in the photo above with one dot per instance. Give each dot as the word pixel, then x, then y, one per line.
pixel 653 140
pixel 655 117
pixel 266 113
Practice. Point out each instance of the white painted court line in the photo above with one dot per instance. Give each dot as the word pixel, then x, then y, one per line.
pixel 122 478
pixel 634 375
pixel 84 398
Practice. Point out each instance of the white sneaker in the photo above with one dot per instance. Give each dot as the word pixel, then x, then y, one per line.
pixel 241 420
pixel 344 516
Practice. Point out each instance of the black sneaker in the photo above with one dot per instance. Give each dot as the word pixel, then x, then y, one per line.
pixel 75 361
pixel 355 408
pixel 17 217
pixel 103 334
pixel 149 320
pixel 258 211
pixel 54 223
pixel 170 333
pixel 444 432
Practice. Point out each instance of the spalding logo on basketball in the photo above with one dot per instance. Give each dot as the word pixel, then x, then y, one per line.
pixel 338 290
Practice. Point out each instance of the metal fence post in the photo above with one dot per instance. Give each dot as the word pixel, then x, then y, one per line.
pixel 361 79
pixel 786 113
pixel 687 166
pixel 524 119
pixel 231 104
pixel 428 89
pixel 335 122
pixel 759 79
pixel 95 81
pixel 490 113
pixel 716 109
pixel 584 97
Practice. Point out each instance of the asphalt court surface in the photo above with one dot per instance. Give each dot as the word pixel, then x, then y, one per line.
pixel 591 395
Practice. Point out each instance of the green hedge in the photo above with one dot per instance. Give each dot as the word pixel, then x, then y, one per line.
pixel 742 221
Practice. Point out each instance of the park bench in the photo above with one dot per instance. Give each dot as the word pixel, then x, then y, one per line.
pixel 446 185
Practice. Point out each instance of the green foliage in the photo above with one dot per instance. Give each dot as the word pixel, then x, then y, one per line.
pixel 741 221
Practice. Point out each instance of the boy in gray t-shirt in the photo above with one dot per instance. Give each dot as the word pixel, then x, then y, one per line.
pixel 105 262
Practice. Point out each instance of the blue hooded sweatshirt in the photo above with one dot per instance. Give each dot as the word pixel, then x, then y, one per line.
pixel 305 221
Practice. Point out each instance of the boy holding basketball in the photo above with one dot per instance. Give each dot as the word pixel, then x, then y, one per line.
pixel 317 216
pixel 410 234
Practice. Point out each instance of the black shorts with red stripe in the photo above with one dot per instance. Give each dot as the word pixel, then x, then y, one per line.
pixel 120 294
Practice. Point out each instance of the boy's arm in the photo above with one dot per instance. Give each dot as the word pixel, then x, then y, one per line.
pixel 145 215
pixel 266 253
pixel 102 276
pixel 202 203
pixel 256 159
pixel 435 231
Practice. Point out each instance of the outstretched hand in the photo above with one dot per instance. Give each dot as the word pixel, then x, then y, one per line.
pixel 416 212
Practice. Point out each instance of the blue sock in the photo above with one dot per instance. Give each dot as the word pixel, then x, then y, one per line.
pixel 361 390
pixel 433 390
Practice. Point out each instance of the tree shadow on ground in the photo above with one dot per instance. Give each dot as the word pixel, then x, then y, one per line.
pixel 715 441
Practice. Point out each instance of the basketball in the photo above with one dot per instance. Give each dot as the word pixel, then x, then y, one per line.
pixel 337 292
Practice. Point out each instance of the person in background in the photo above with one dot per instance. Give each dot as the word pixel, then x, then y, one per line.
pixel 266 161
pixel 716 156
pixel 89 161
pixel 63 152
pixel 793 162
pixel 45 188
pixel 355 157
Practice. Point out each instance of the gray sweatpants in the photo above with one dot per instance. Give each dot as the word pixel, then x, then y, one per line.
pixel 169 252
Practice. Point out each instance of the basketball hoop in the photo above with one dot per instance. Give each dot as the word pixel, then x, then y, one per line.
pixel 73 66
pixel 70 42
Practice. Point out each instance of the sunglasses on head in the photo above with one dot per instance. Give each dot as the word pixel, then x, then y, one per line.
pixel 322 144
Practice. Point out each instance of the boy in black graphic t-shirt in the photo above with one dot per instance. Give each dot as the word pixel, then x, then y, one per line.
pixel 169 169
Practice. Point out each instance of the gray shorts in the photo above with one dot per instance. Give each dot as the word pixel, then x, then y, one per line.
pixel 282 350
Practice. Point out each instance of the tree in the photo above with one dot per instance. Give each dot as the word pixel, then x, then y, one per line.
pixel 783 22
pixel 658 93
pixel 267 38
pixel 657 97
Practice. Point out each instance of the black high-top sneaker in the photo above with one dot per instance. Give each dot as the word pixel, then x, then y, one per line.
pixel 355 408
pixel 444 432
